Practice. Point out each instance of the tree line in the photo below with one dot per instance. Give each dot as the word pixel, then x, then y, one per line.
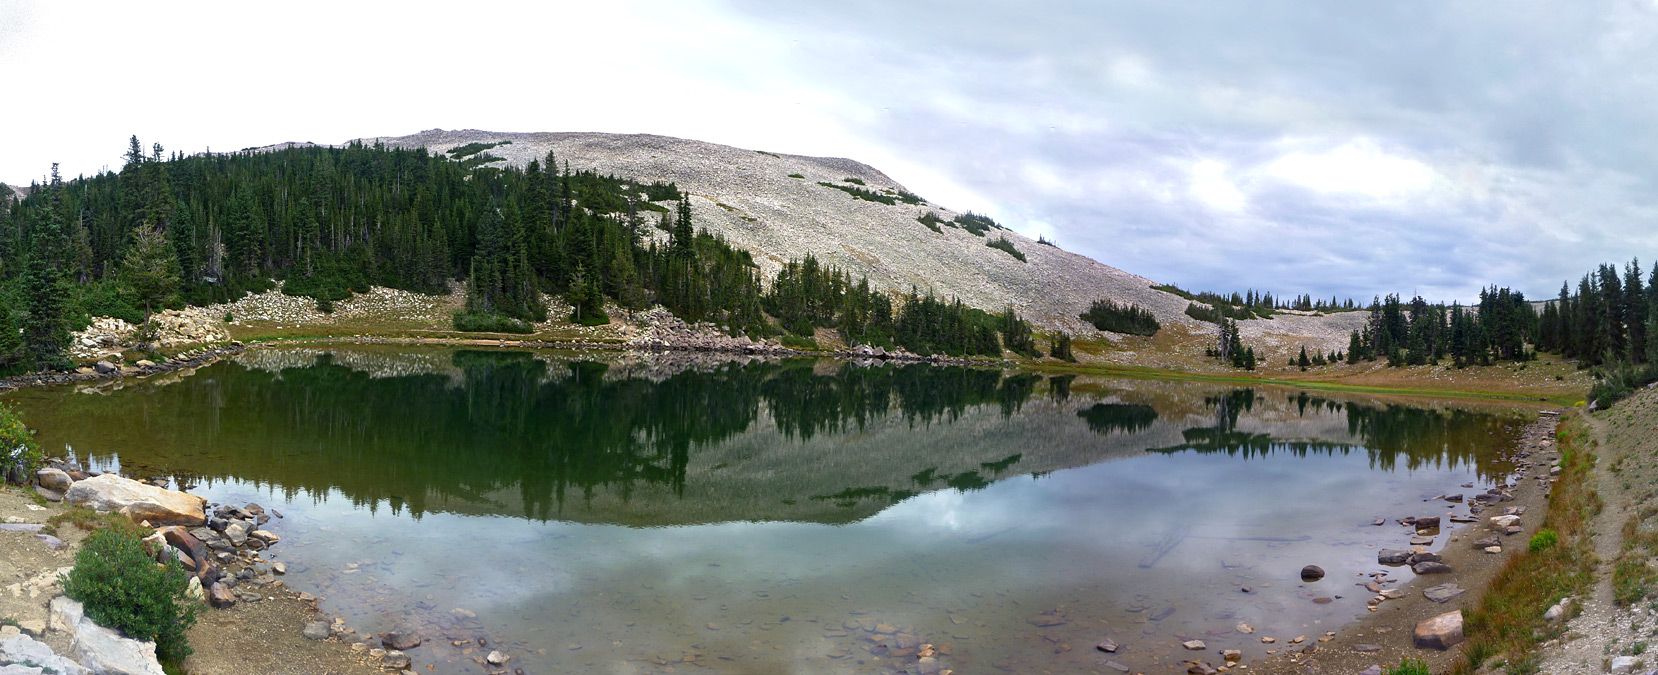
pixel 170 229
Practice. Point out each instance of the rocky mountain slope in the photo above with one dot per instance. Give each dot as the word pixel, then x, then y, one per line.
pixel 750 198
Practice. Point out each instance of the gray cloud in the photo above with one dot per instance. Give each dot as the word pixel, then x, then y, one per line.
pixel 1085 120
pixel 1327 148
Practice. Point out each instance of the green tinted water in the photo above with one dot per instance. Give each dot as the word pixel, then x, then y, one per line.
pixel 598 513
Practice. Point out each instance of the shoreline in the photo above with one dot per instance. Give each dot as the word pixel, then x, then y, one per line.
pixel 206 355
pixel 1384 637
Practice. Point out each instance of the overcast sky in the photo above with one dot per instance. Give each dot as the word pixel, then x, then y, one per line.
pixel 1323 147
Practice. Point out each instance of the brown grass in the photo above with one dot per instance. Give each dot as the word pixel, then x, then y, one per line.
pixel 1509 620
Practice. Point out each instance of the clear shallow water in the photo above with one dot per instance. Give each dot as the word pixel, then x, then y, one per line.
pixel 626 516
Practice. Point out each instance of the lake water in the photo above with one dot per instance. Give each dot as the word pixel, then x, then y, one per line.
pixel 639 514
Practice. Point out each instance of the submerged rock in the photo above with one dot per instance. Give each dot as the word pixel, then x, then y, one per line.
pixel 1312 573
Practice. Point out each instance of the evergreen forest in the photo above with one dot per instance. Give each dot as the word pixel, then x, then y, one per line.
pixel 170 230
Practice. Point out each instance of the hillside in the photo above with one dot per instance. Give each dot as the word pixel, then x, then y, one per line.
pixel 749 197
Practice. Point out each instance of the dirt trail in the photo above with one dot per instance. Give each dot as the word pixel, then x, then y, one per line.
pixel 1626 472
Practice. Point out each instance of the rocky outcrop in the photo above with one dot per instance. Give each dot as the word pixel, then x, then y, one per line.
pixel 99 649
pixel 20 649
pixel 138 501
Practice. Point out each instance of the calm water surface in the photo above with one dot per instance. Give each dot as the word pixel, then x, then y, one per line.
pixel 608 514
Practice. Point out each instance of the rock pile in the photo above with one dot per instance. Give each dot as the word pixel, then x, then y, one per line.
pixel 106 337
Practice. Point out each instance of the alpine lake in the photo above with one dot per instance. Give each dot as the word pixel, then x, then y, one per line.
pixel 647 513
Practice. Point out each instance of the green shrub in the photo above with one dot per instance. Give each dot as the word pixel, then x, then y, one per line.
pixel 854 181
pixel 796 175
pixel 1410 667
pixel 1106 314
pixel 1543 540
pixel 931 220
pixel 591 318
pixel 480 322
pixel 860 193
pixel 1002 243
pixel 20 456
pixel 798 342
pixel 123 588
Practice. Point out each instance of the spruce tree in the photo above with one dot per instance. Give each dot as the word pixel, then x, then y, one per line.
pixel 45 292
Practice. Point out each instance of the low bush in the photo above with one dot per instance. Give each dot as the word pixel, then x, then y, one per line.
pixel 20 456
pixel 1004 244
pixel 480 322
pixel 123 588
pixel 1410 667
pixel 1106 314
pixel 1544 539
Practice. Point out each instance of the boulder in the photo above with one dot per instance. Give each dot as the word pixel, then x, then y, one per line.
pixel 316 630
pixel 1444 593
pixel 55 480
pixel 220 596
pixel 1312 573
pixel 99 649
pixel 1427 523
pixel 1108 646
pixel 1441 632
pixel 1504 521
pixel 396 660
pixel 400 639
pixel 1392 556
pixel 1622 665
pixel 19 649
pixel 1430 568
pixel 138 501
pixel 1194 645
pixel 1424 556
pixel 105 367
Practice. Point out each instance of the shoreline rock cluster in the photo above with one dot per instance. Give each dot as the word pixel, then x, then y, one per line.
pixel 108 370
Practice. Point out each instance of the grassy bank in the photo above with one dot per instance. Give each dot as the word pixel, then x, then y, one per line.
pixel 1508 625
pixel 1315 385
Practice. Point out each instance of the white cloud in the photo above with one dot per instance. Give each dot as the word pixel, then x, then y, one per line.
pixel 1357 167
pixel 1211 186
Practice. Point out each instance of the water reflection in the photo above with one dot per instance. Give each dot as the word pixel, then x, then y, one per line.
pixel 749 516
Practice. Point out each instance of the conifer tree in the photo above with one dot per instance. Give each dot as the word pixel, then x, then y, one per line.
pixel 45 292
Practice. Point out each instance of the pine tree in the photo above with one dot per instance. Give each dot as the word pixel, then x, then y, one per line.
pixel 45 293
pixel 150 268
pixel 1301 360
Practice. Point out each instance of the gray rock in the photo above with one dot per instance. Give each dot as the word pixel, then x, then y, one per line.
pixel 1312 573
pixel 1372 670
pixel 1555 612
pixel 1392 556
pixel 1427 523
pixel 1423 557
pixel 1623 664
pixel 396 660
pixel 1430 568
pixel 400 639
pixel 55 480
pixel 1116 666
pixel 1108 646
pixel 52 542
pixel 496 658
pixel 316 630
pixel 105 367
pixel 1444 593
pixel 99 649
pixel 1366 647
pixel 19 649
pixel 1486 542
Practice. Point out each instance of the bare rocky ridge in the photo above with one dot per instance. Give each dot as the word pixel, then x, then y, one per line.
pixel 748 197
